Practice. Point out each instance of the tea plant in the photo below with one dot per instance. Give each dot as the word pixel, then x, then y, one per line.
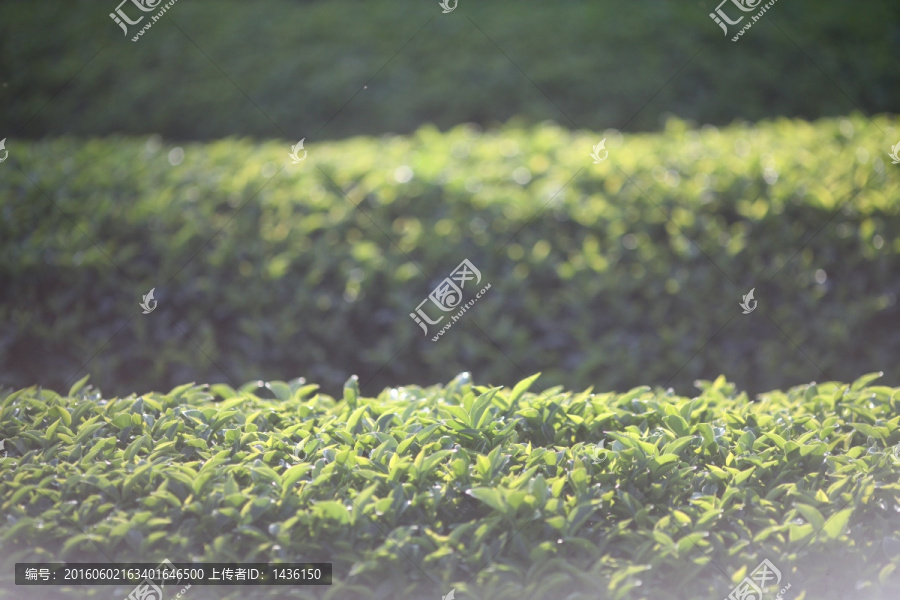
pixel 497 493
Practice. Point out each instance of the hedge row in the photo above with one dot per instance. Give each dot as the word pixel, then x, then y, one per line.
pixel 495 493
pixel 626 272
pixel 285 69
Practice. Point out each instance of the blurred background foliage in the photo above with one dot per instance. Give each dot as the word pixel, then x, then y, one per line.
pixel 289 69
pixel 598 277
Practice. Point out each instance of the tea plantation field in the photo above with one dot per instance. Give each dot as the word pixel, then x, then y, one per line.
pixel 492 492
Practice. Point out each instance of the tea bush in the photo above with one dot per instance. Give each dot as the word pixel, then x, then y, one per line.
pixel 497 493
pixel 276 68
pixel 614 275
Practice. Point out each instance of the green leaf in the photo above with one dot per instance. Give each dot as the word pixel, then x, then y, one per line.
pixel 837 523
pixel 879 433
pixel 692 542
pixel 658 462
pixel 681 517
pixel 355 417
pixel 706 431
pixel 77 387
pixel 206 473
pixel 630 440
pixel 489 496
pixel 332 510
pixel 799 534
pixel 779 441
pixel 99 446
pixel 255 508
pixel 459 413
pixel 812 515
pixel 743 475
pixel 135 446
pixel 677 424
pixel 480 408
pixel 520 389
pixel 222 418
pixel 865 380
pixel 351 390
pixel 177 391
pixel 432 461
pixel 77 542
pixel 676 446
pixel 718 473
pixel 122 421
pixel 62 413
pixel 293 475
pixel 51 431
pixel 19 494
pixel 746 441
pixel 402 446
pixel 281 390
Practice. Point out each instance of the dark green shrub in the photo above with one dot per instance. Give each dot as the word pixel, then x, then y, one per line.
pixel 315 272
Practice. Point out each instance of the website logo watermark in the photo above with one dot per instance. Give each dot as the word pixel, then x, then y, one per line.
pixel 601 147
pixel 756 584
pixel 6 152
pixel 747 299
pixel 598 453
pixel 723 20
pixel 895 151
pixel 123 20
pixel 147 590
pixel 445 4
pixel 147 299
pixel 295 158
pixel 448 295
